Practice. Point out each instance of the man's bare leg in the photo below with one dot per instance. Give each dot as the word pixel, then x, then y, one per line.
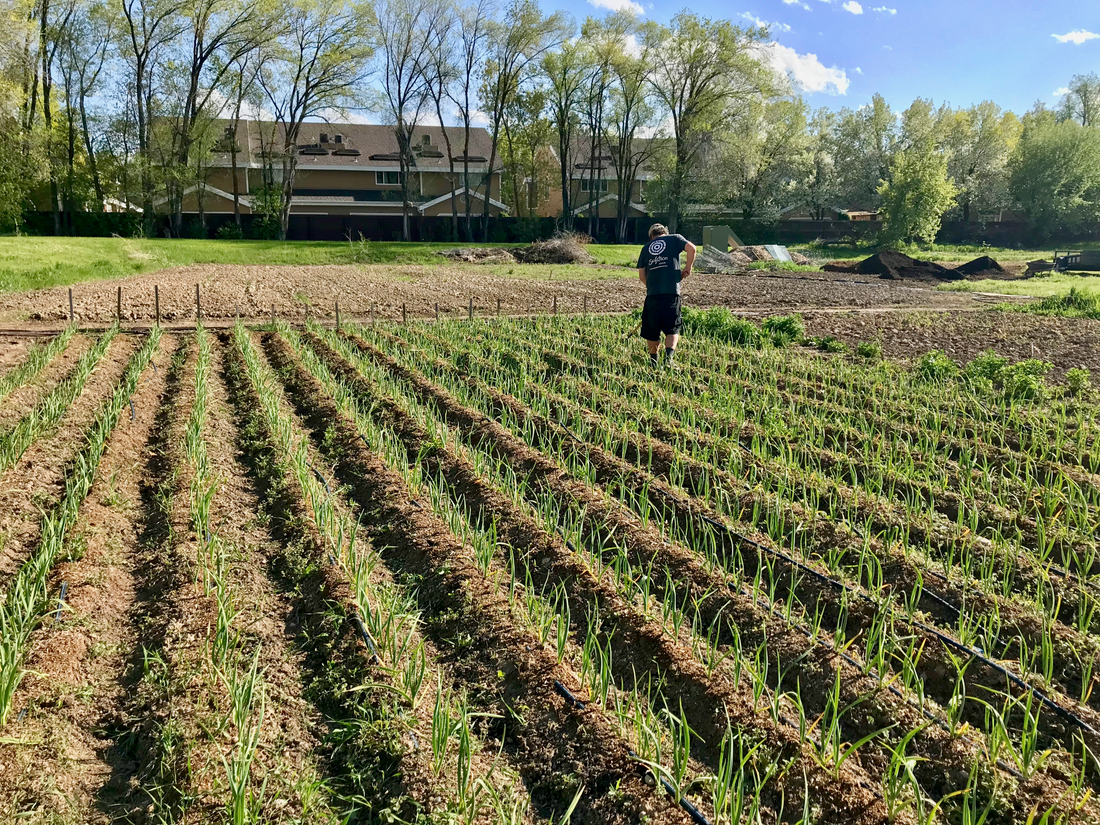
pixel 652 346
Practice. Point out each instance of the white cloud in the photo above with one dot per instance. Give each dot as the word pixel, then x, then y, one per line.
pixel 853 7
pixel 798 3
pixel 887 48
pixel 618 5
pixel 632 47
pixel 805 70
pixel 858 70
pixel 884 10
pixel 1076 37
pixel 764 24
pixel 1061 92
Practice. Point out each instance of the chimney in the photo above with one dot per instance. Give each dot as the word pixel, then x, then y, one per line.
pixel 324 137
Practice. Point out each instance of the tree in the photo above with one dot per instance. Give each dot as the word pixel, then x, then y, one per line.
pixel 916 194
pixel 565 71
pixel 317 64
pixel 631 111
pixel 818 188
pixel 526 131
pixel 1082 100
pixel 516 44
pixel 978 142
pixel 1054 175
pixel 149 26
pixel 442 74
pixel 406 33
pixel 473 35
pixel 22 162
pixel 863 148
pixel 771 154
pixel 704 72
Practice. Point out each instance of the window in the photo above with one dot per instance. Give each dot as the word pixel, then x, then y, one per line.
pixel 387 178
pixel 588 185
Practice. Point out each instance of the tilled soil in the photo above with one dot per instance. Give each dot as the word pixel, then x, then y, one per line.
pixel 78 662
pixel 253 290
pixel 1067 343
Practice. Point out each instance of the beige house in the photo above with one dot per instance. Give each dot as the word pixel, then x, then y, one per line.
pixel 593 182
pixel 350 169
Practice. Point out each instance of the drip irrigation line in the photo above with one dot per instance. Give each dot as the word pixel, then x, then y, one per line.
pixel 320 478
pixel 563 691
pixel 695 814
pixel 133 414
pixel 362 628
pixel 22 715
pixel 973 652
pixel 61 601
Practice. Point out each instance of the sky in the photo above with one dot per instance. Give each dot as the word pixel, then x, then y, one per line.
pixel 961 52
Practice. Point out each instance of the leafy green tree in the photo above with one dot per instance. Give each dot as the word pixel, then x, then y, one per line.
pixel 916 195
pixel 1054 175
pixel 1081 103
pixel 704 72
pixel 564 71
pixel 818 188
pixel 864 143
pixel 979 141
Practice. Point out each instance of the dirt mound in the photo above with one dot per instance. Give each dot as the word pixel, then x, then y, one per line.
pixel 565 249
pixel 898 266
pixel 756 253
pixel 983 267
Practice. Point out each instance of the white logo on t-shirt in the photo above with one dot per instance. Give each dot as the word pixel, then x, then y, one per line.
pixel 656 248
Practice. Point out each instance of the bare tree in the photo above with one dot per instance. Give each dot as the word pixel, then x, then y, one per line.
pixel 149 26
pixel 317 64
pixel 406 33
pixel 443 73
pixel 516 45
pixel 473 34
pixel 1082 100
pixel 565 70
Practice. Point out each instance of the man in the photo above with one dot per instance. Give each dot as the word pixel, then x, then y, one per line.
pixel 659 270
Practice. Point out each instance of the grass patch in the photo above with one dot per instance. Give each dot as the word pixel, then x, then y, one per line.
pixel 36 262
pixel 948 253
pixel 1076 303
pixel 1045 286
pixel 783 266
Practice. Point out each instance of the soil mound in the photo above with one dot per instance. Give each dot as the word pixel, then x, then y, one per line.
pixel 982 267
pixel 899 266
pixel 564 249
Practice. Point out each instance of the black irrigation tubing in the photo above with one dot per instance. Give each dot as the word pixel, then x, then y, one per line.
pixel 362 628
pixel 563 691
pixel 972 652
pixel 320 478
pixel 133 415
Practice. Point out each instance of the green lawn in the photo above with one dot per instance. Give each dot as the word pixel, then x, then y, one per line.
pixel 1056 284
pixel 34 262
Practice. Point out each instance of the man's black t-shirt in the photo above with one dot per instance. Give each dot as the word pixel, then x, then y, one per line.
pixel 661 260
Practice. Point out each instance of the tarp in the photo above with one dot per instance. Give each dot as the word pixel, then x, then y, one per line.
pixel 778 253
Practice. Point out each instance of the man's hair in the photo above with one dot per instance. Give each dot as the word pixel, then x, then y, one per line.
pixel 657 230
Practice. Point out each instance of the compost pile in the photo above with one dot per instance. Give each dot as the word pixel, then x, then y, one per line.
pixel 983 268
pixel 479 255
pixel 897 266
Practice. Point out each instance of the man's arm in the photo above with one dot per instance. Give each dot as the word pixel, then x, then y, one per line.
pixel 689 259
pixel 642 275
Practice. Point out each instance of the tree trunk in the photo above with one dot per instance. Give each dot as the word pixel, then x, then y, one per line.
pixel 93 167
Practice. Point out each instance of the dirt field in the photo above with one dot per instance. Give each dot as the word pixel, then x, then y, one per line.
pixel 252 290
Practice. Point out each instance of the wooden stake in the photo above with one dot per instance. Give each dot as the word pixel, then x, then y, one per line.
pixel 372 313
pixel 555 304
pixel 337 316
pixel 498 307
pixel 471 309
pixel 198 306
pixel 404 314
pixel 156 301
pixel 585 304
pixel 118 313
pixel 273 316
pixel 437 311
pixel 72 315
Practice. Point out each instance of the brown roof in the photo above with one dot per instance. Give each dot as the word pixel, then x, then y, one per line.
pixel 365 144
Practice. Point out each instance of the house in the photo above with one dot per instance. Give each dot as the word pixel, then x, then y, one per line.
pixel 829 213
pixel 349 169
pixel 594 183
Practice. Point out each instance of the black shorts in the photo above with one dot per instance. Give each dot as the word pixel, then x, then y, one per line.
pixel 661 313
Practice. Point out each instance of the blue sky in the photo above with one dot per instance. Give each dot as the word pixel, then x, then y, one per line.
pixel 956 51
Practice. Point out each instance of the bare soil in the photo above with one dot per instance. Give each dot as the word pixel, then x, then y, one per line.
pixel 253 290
pixel 1065 342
